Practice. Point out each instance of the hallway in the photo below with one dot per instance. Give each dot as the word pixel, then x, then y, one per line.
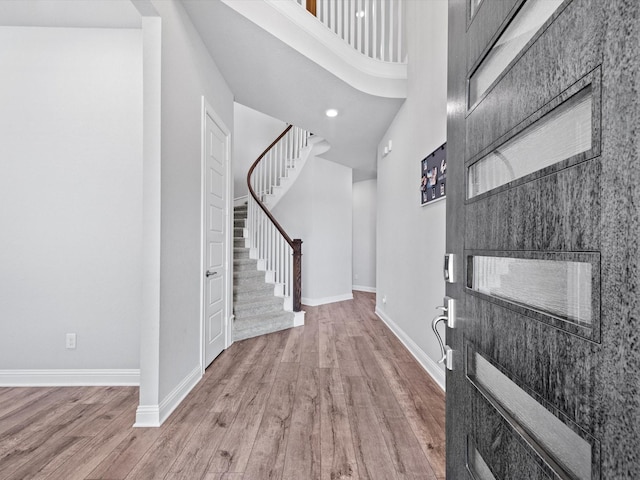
pixel 338 398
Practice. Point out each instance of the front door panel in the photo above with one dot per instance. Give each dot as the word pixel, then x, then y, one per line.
pixel 543 213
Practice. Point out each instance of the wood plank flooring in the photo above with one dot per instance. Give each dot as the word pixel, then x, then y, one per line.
pixel 339 398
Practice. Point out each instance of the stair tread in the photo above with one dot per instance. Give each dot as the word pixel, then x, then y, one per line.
pixel 248 273
pixel 266 317
pixel 252 284
pixel 249 289
pixel 250 310
pixel 250 333
pixel 258 302
pixel 245 264
pixel 263 320
pixel 244 260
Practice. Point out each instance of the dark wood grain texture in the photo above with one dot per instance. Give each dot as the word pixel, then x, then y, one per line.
pixel 587 379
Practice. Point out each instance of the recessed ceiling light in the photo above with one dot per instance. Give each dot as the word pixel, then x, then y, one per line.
pixel 332 112
pixel 360 14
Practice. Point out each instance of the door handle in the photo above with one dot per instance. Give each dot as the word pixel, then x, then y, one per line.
pixel 447 352
pixel 434 326
pixel 211 274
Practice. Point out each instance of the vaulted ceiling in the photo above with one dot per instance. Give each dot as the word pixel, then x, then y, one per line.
pixel 269 76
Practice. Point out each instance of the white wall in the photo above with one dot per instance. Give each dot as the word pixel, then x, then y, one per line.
pixel 364 235
pixel 71 197
pixel 188 73
pixel 411 239
pixel 253 132
pixel 318 210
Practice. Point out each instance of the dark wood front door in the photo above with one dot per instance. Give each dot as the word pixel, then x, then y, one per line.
pixel 543 223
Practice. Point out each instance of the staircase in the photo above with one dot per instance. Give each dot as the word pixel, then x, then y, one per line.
pixel 256 309
pixel 267 263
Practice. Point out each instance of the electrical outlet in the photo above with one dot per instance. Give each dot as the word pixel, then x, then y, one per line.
pixel 71 341
pixel 356 276
pixel 384 300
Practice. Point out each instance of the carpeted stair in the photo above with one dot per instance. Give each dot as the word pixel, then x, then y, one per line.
pixel 257 311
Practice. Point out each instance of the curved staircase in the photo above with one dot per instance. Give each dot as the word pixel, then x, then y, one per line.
pixel 267 263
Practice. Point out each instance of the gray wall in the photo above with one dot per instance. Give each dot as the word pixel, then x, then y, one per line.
pixel 318 209
pixel 253 132
pixel 411 238
pixel 71 196
pixel 188 72
pixel 364 235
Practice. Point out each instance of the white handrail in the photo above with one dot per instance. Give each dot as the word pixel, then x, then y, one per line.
pixel 373 27
pixel 272 249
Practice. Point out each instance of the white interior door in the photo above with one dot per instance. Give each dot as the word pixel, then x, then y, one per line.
pixel 215 296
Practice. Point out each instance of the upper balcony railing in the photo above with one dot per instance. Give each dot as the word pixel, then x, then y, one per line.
pixel 373 27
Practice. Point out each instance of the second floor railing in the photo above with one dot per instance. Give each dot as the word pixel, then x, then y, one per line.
pixel 373 27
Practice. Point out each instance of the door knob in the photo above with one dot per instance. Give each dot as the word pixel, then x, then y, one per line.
pixel 211 274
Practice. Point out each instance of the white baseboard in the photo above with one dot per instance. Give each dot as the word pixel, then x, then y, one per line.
pixel 423 359
pixel 362 288
pixel 314 302
pixel 298 319
pixel 171 401
pixel 155 415
pixel 69 378
pixel 147 416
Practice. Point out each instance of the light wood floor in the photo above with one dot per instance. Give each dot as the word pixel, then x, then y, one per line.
pixel 338 398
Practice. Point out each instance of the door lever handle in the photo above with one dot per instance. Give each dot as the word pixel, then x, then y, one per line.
pixel 434 326
pixel 211 274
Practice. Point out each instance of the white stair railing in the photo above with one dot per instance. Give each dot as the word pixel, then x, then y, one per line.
pixel 277 253
pixel 373 27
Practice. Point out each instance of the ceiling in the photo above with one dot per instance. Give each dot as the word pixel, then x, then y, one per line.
pixel 263 72
pixel 271 77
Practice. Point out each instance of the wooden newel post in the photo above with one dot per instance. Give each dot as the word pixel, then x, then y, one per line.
pixel 297 275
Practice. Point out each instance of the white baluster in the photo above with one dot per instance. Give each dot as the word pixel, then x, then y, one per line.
pixel 267 253
pixel 325 12
pixel 262 180
pixel 351 15
pixel 360 21
pixel 390 37
pixel 340 30
pixel 290 272
pixel 272 241
pixel 263 235
pixel 281 263
pixel 367 22
pixel 399 34
pixel 383 28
